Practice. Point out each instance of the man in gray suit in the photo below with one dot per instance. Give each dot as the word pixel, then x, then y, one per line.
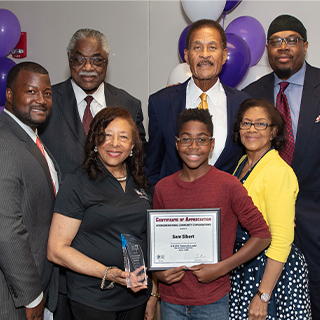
pixel 28 181
pixel 64 132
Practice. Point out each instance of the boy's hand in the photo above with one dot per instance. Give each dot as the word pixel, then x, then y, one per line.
pixel 206 273
pixel 171 275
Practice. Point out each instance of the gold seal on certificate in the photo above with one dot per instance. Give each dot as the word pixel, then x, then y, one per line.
pixel 183 237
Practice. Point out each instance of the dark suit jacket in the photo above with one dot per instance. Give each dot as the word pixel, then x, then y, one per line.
pixel 164 109
pixel 63 132
pixel 305 163
pixel 26 207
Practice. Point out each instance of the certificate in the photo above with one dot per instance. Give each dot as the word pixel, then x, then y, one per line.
pixel 180 237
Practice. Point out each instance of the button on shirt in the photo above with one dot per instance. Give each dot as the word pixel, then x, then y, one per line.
pixel 217 105
pixel 294 95
pixel 98 103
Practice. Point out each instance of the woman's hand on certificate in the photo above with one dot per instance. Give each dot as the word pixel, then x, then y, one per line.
pixel 171 275
pixel 206 273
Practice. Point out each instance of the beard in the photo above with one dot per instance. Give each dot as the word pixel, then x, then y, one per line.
pixel 25 117
pixel 283 74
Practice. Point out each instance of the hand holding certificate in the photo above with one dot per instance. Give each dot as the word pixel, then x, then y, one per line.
pixel 183 237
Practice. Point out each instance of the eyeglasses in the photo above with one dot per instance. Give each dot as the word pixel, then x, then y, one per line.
pixel 80 61
pixel 291 41
pixel 187 142
pixel 258 125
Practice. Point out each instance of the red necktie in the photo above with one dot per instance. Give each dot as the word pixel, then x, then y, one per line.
pixel 40 146
pixel 87 117
pixel 283 106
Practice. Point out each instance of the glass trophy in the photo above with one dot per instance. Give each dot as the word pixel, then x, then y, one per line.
pixel 133 261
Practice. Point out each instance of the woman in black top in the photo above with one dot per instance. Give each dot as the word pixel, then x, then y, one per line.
pixel 106 197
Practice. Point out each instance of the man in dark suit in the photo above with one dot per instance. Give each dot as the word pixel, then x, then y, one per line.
pixel 286 48
pixel 64 132
pixel 28 180
pixel 205 53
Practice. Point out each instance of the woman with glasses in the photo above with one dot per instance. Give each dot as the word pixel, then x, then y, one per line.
pixel 202 291
pixel 274 285
pixel 106 197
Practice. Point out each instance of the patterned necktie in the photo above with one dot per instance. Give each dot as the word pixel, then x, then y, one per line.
pixel 203 104
pixel 40 146
pixel 283 106
pixel 87 117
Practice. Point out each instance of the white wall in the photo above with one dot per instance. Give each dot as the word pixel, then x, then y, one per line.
pixel 143 35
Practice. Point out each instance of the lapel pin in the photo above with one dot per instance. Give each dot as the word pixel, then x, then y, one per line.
pixel 318 118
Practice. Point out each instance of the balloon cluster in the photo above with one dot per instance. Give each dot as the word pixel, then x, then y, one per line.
pixel 10 32
pixel 245 40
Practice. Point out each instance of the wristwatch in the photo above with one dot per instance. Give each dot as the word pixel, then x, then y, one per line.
pixel 265 297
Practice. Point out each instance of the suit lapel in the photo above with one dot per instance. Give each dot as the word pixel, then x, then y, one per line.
pixel 178 103
pixel 67 103
pixel 111 96
pixel 309 110
pixel 30 146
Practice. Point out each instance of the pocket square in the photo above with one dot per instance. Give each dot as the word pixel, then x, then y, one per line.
pixel 318 118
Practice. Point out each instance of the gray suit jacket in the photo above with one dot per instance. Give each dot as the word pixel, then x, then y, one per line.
pixel 26 207
pixel 63 132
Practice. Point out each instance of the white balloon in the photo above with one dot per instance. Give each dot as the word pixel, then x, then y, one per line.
pixel 205 9
pixel 255 73
pixel 179 74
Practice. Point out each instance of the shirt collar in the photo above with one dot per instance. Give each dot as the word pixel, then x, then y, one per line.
pixel 32 134
pixel 195 91
pixel 297 78
pixel 98 95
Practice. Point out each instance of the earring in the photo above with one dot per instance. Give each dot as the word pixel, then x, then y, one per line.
pixel 131 154
pixel 95 149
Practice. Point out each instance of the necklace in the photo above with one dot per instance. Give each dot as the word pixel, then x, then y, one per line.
pixel 122 179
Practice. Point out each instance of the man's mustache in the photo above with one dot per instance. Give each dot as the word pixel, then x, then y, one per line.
pixel 88 73
pixel 205 62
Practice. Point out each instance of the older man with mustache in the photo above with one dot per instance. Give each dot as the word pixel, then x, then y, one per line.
pixel 205 53
pixel 74 104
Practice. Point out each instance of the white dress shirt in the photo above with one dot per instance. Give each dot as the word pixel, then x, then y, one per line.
pixel 98 103
pixel 217 105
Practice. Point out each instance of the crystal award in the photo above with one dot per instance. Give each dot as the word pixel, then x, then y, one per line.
pixel 133 261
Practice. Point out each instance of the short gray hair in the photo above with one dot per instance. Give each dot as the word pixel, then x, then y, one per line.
pixel 88 33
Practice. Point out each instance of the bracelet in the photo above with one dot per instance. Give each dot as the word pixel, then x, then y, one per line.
pixel 111 284
pixel 155 294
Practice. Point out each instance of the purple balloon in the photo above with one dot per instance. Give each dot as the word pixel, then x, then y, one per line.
pixel 10 31
pixel 182 42
pixel 252 32
pixel 238 61
pixel 5 65
pixel 230 4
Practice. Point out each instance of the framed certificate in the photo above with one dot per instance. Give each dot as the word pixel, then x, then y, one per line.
pixel 180 237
